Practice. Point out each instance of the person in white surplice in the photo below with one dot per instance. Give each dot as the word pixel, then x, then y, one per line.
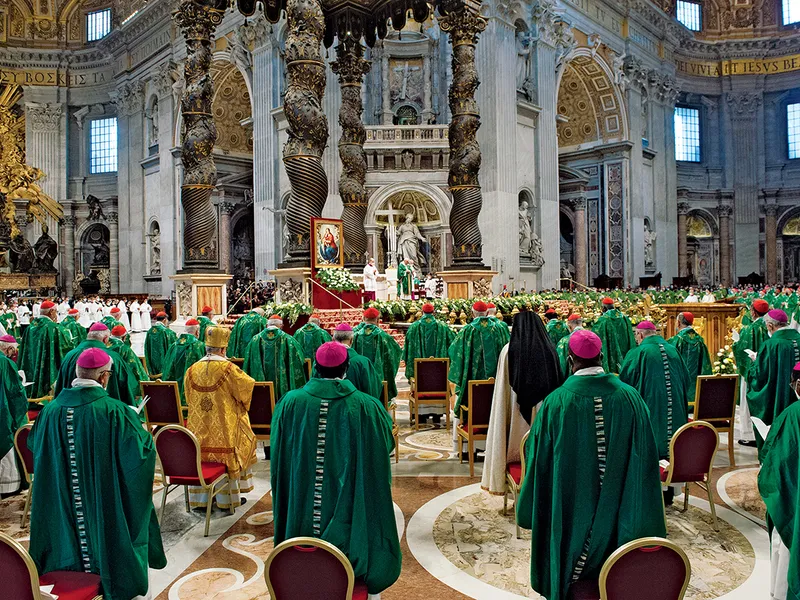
pixel 123 316
pixel 144 310
pixel 527 371
pixel 370 280
pixel 136 316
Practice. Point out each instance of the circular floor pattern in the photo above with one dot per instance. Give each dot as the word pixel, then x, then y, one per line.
pixel 463 539
pixel 739 489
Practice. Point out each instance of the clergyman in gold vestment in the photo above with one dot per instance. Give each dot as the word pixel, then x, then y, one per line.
pixel 218 394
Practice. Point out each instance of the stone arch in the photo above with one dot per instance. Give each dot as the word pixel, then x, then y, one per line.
pixel 440 198
pixel 702 232
pixel 707 218
pixel 590 105
pixel 230 105
pixel 93 236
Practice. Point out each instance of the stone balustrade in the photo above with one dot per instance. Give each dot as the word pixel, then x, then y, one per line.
pixel 407 147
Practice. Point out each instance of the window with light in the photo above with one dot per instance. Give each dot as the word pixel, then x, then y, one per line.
pixel 689 13
pixel 791 11
pixel 793 129
pixel 98 24
pixel 687 134
pixel 103 145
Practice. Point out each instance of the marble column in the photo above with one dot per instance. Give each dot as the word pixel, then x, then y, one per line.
pixel 386 101
pixel 581 245
pixel 724 211
pixel 226 209
pixel 68 253
pixel 683 212
pixel 771 230
pixel 113 244
pixel 427 90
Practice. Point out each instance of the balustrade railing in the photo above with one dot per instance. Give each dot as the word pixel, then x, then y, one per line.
pixel 407 135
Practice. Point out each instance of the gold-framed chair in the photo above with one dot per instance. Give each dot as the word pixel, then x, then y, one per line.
pixel 144 364
pixel 430 386
pixel 179 457
pixel 262 407
pixel 164 406
pixel 26 460
pixel 474 414
pixel 239 362
pixel 715 403
pixel 691 460
pixel 308 366
pixel 21 579
pixel 391 408
pixel 288 566
pixel 515 474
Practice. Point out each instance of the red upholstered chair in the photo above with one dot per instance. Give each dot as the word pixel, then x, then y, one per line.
pixel 164 406
pixel 430 386
pixel 179 456
pixel 262 407
pixel 26 459
pixel 715 403
pixel 21 580
pixel 515 473
pixel 289 564
pixel 391 408
pixel 474 417
pixel 691 460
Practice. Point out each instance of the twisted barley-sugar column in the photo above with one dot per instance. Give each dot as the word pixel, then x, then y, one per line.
pixel 197 21
pixel 351 67
pixel 464 25
pixel 308 126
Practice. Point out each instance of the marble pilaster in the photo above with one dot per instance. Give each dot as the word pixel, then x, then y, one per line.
pixel 386 102
pixel 683 212
pixel 581 242
pixel 771 242
pixel 68 252
pixel 724 212
pixel 113 244
pixel 226 209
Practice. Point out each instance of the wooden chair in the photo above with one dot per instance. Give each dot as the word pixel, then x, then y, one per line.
pixel 262 407
pixel 651 568
pixel 691 460
pixel 391 408
pixel 715 403
pixel 308 365
pixel 26 460
pixel 474 417
pixel 179 455
pixel 21 579
pixel 430 386
pixel 144 364
pixel 515 473
pixel 164 406
pixel 288 567
pixel 239 362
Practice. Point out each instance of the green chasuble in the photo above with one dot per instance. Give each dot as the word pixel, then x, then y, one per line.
pixel 244 330
pixel 556 330
pixel 43 348
pixel 180 356
pixel 205 323
pixel 562 350
pixel 10 323
pixel 76 330
pixel 427 338
pixel 111 322
pixel 156 345
pixel 404 275
pixel 779 484
pixel 330 428
pixel 474 353
pixel 751 337
pixel 123 384
pixel 93 492
pixel 13 403
pixel 591 482
pixel 656 371
pixel 274 356
pixel 615 331
pixel 695 355
pixel 768 389
pixel 129 356
pixel 311 337
pixel 361 373
pixel 373 342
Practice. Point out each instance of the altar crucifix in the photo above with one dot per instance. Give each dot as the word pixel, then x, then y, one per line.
pixel 406 70
pixel 390 212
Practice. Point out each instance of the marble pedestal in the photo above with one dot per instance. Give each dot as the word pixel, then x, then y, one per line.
pixel 294 284
pixel 193 291
pixel 468 283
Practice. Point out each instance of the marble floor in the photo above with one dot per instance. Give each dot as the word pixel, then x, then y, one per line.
pixel 456 541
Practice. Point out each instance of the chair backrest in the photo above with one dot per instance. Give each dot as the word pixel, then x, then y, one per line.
pixel 288 567
pixel 239 362
pixel 21 581
pixel 308 366
pixel 715 399
pixel 430 374
pixel 262 405
pixel 178 452
pixel 164 406
pixel 479 397
pixel 651 568
pixel 385 395
pixel 691 452
pixel 522 456
pixel 144 364
pixel 25 455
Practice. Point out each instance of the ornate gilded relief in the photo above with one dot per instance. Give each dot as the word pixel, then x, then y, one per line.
pixel 418 204
pixel 792 227
pixel 698 227
pixel 230 106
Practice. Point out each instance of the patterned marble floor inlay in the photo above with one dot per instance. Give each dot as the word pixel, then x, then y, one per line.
pixel 741 488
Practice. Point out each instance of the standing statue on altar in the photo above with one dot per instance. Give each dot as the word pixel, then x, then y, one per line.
pixel 408 241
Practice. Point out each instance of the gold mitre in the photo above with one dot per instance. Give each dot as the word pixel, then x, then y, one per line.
pixel 217 337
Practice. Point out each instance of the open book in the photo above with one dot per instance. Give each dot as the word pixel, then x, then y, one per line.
pixel 761 427
pixel 46 592
pixel 140 407
pixel 24 382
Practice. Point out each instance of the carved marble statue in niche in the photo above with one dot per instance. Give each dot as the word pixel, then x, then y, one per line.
pixel 524 45
pixel 530 246
pixel 649 246
pixel 152 125
pixel 46 251
pixel 155 250
pixel 95 208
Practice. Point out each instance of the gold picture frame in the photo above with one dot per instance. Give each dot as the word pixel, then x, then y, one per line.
pixel 327 237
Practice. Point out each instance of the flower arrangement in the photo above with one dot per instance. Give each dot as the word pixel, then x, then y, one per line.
pixel 337 280
pixel 289 310
pixel 725 364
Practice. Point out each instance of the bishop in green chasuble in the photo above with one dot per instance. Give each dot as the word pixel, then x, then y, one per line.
pixel 616 332
pixel 574 323
pixel 751 337
pixel 93 492
pixel 275 356
pixel 592 479
pixel 656 371
pixel 331 473
pixel 693 350
pixel 156 344
pixel 360 371
pixel 244 330
pixel 117 343
pixel 310 337
pixel 76 330
pixel 13 415
pixel 182 355
pixel 428 337
pixel 206 320
pixel 371 341
pixel 44 346
pixel 556 328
